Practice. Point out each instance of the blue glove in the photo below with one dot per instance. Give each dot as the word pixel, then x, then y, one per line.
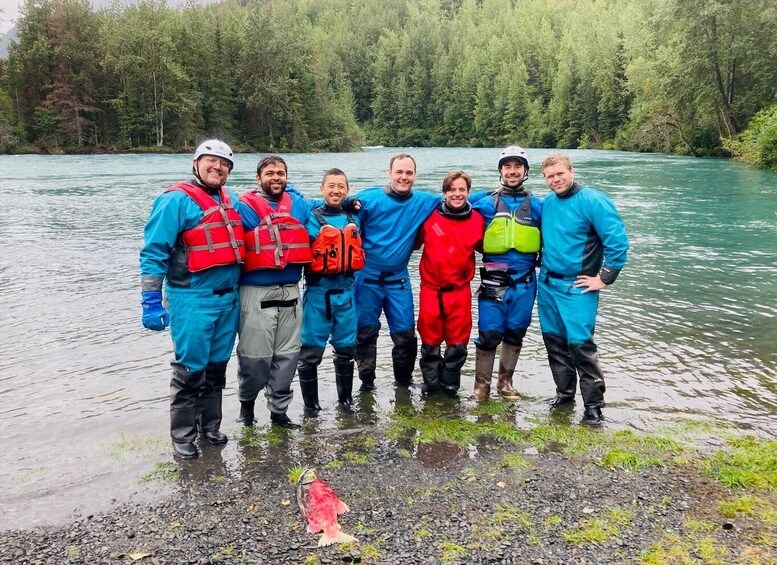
pixel 155 317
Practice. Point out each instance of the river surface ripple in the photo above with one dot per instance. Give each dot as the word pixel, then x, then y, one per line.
pixel 689 330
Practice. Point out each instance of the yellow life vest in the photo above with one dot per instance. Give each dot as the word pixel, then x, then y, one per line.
pixel 512 230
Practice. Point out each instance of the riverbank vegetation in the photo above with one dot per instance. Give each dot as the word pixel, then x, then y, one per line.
pixel 681 76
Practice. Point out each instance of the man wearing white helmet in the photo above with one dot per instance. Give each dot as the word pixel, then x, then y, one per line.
pixel 193 243
pixel 508 282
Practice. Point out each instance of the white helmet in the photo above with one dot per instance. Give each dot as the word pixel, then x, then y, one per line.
pixel 513 152
pixel 216 148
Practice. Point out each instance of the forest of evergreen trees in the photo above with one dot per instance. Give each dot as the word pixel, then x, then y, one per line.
pixel 682 76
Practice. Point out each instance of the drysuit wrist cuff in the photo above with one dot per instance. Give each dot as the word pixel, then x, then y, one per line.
pixel 608 275
pixel 150 284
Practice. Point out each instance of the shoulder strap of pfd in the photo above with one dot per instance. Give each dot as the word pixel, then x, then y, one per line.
pixel 204 200
pixel 320 216
pixel 259 204
pixel 526 204
pixel 318 213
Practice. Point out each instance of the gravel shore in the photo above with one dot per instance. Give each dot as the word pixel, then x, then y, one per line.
pixel 414 502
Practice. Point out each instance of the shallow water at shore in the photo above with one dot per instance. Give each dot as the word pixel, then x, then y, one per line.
pixel 688 330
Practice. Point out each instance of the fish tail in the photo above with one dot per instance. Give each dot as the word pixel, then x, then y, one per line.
pixel 340 537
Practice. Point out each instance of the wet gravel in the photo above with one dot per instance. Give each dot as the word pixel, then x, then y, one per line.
pixel 438 505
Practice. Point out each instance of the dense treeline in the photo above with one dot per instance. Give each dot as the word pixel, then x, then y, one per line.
pixel 682 76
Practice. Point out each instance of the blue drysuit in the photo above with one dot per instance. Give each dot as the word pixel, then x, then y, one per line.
pixel 389 224
pixel 329 313
pixel 203 305
pixel 506 317
pixel 582 234
pixel 204 312
pixel 328 304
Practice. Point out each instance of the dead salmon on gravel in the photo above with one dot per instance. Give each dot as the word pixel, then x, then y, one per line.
pixel 320 506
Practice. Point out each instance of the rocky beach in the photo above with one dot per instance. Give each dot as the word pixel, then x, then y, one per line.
pixel 435 485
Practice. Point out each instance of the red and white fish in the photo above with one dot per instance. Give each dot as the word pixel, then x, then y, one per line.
pixel 319 504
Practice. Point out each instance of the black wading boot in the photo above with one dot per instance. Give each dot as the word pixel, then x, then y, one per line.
pixel 247 413
pixel 593 416
pixel 209 404
pixel 431 367
pixel 307 370
pixel 308 385
pixel 403 354
pixel 366 355
pixel 185 386
pixel 562 368
pixel 592 386
pixel 450 377
pixel 344 381
pixel 283 421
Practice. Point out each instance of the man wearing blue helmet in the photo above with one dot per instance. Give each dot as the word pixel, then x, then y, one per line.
pixel 194 245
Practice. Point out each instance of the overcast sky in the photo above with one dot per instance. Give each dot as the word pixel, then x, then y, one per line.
pixel 10 13
pixel 11 9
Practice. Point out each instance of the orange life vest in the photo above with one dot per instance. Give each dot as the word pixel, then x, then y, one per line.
pixel 336 250
pixel 218 239
pixel 278 240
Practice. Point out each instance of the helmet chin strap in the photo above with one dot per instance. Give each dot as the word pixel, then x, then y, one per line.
pixel 210 189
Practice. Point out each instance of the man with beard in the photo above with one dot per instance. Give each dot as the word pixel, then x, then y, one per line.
pixel 277 248
pixel 194 243
pixel 508 282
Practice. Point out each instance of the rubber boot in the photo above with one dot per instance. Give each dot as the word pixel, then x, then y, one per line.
pixel 344 381
pixel 593 416
pixel 431 367
pixel 562 368
pixel 508 359
pixel 592 388
pixel 185 387
pixel 366 355
pixel 484 368
pixel 209 404
pixel 307 370
pixel 283 421
pixel 308 384
pixel 403 355
pixel 586 359
pixel 246 416
pixel 450 377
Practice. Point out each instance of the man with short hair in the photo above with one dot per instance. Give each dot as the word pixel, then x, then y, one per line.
pixel 508 283
pixel 450 237
pixel 329 311
pixel 277 248
pixel 194 243
pixel 390 217
pixel 584 248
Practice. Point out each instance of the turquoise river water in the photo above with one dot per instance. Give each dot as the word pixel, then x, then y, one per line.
pixel 688 330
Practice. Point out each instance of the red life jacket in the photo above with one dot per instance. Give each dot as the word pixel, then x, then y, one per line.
pixel 278 240
pixel 336 250
pixel 218 239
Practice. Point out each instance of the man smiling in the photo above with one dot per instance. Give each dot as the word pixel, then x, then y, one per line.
pixel 508 283
pixel 584 248
pixel 390 217
pixel 329 312
pixel 194 242
pixel 277 248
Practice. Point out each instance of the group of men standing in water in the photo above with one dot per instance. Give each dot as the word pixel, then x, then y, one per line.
pixel 231 266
